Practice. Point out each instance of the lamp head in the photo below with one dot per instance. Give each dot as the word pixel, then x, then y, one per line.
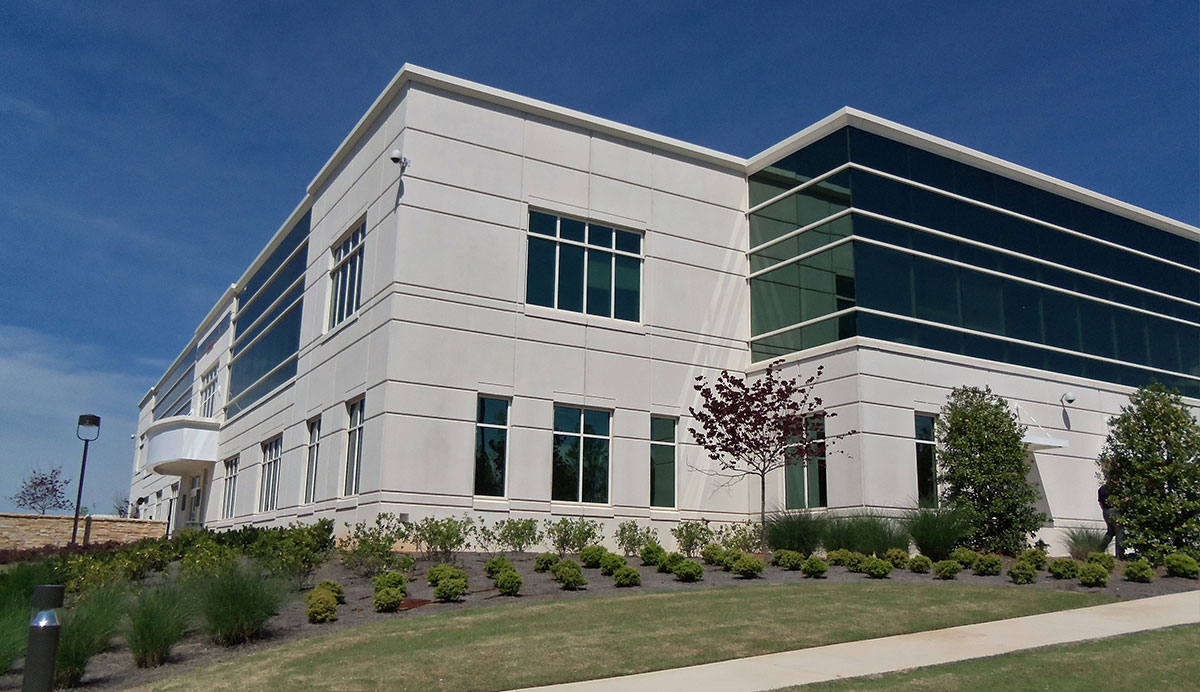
pixel 88 428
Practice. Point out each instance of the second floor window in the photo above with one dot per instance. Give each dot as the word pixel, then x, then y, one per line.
pixel 345 278
pixel 208 393
pixel 583 266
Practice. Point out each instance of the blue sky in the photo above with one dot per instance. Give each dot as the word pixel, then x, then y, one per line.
pixel 148 150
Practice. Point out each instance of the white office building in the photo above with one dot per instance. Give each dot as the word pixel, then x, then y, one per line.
pixel 490 304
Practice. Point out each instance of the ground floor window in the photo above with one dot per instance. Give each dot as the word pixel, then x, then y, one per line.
pixel 927 490
pixel 805 483
pixel 268 488
pixel 662 462
pixel 310 477
pixel 354 438
pixel 582 439
pixel 491 443
pixel 228 492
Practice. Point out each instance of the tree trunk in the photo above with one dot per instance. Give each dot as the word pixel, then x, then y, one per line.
pixel 762 513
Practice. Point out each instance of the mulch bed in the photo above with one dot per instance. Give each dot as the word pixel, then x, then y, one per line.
pixel 114 669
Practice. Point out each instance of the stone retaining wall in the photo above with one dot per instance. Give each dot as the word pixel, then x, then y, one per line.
pixel 21 531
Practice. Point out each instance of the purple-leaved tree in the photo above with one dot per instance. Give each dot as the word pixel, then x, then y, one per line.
pixel 42 491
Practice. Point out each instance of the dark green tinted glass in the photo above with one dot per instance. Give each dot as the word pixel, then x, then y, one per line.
pixel 571 229
pixel 662 475
pixel 793 491
pixel 600 236
pixel 539 276
pixel 595 470
pixel 566 419
pixel 595 422
pixel 570 278
pixel 662 429
pixel 599 283
pixel 490 446
pixel 276 345
pixel 818 485
pixel 627 301
pixel 802 208
pixel 926 475
pixel 492 411
pixel 925 427
pixel 629 242
pixel 801 166
pixel 564 484
pixel 543 224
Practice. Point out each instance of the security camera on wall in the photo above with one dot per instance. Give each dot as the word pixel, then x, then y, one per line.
pixel 395 156
pixel 1069 397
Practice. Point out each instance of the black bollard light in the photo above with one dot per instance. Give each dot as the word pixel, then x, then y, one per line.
pixel 42 651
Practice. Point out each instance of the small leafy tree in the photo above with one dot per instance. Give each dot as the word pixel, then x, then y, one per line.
pixel 983 467
pixel 1151 463
pixel 752 429
pixel 42 491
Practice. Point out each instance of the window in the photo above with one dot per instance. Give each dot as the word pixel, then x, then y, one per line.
pixel 805 484
pixel 229 492
pixel 927 490
pixel 491 441
pixel 268 487
pixel 662 462
pixel 208 393
pixel 583 267
pixel 310 477
pixel 158 512
pixel 581 442
pixel 194 505
pixel 354 437
pixel 345 277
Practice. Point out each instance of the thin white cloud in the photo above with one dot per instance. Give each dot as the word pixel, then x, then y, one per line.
pixel 10 105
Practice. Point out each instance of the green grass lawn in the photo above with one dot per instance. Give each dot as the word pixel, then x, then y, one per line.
pixel 1158 660
pixel 546 642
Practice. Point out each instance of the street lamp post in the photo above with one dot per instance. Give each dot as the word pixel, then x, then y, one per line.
pixel 88 423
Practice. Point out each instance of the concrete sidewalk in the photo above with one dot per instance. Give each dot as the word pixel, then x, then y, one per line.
pixel 900 652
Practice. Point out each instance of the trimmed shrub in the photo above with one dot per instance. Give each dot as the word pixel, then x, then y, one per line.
pixel 387 600
pixel 854 562
pixel 920 564
pixel 569 575
pixel 86 630
pixel 866 534
pixel 814 568
pixel 235 603
pixel 1083 542
pixel 320 605
pixel 653 554
pixel 713 554
pixel 731 557
pixel 688 571
pixel 334 588
pixel 451 588
pixel 788 559
pixel 987 565
pixel 935 531
pixel 592 555
pixel 964 556
pixel 1093 574
pixel 611 562
pixel 627 576
pixel 545 562
pixel 748 567
pixel 1022 572
pixel 390 580
pixel 508 582
pixel 496 565
pixel 1063 568
pixel 206 557
pixel 572 534
pixel 157 620
pixel 1104 560
pixel 800 532
pixel 631 537
pixel 439 572
pixel 1035 557
pixel 876 567
pixel 293 553
pixel 667 565
pixel 838 557
pixel 946 569
pixel 691 536
pixel 1139 571
pixel 897 556
pixel 1182 565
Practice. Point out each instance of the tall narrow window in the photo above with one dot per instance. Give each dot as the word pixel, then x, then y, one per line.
pixel 354 439
pixel 491 442
pixel 310 475
pixel 228 493
pixel 805 483
pixel 582 266
pixel 268 487
pixel 194 504
pixel 208 393
pixel 927 491
pixel 662 462
pixel 345 277
pixel 582 438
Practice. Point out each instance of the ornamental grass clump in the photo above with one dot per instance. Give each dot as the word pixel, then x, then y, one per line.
pixel 788 559
pixel 612 562
pixel 946 569
pixel 86 630
pixel 158 617
pixel 920 564
pixel 592 555
pixel 508 582
pixel 1182 565
pixel 796 531
pixel 814 568
pixel 688 571
pixel 1082 542
pixel 1093 574
pixel 1023 572
pixel 1139 571
pixel 936 530
pixel 866 534
pixel 235 603
pixel 1063 568
pixel 627 576
pixel 14 624
pixel 987 565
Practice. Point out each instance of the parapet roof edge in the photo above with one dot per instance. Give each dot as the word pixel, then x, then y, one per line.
pixel 958 152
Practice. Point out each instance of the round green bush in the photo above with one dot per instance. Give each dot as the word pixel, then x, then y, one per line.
pixel 713 554
pixel 627 576
pixel 1093 574
pixel 545 562
pixel 320 605
pixel 387 600
pixel 730 559
pixel 611 562
pixel 876 568
pixel 1182 565
pixel 920 564
pixel 439 572
pixel 964 556
pixel 947 569
pixel 334 588
pixel 1023 572
pixel 1063 568
pixel 496 565
pixel 987 565
pixel 1104 560
pixel 748 567
pixel 592 555
pixel 789 560
pixel 653 554
pixel 569 575
pixel 854 561
pixel 814 568
pixel 451 588
pixel 1035 557
pixel 897 556
pixel 838 557
pixel 508 582
pixel 688 571
pixel 389 580
pixel 1139 571
pixel 668 563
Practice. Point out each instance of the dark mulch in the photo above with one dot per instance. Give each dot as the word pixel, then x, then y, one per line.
pixel 114 669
